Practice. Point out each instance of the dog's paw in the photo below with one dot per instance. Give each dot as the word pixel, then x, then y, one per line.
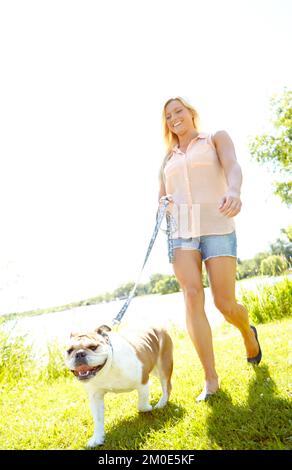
pixel 95 441
pixel 145 408
pixel 161 404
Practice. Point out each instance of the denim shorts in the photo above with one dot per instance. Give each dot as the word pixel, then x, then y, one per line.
pixel 210 246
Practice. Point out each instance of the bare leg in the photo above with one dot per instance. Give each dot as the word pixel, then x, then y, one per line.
pixel 188 271
pixel 222 274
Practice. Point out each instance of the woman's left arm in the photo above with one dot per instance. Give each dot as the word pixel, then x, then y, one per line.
pixel 230 204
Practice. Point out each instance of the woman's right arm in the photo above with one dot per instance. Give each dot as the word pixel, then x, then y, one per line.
pixel 162 190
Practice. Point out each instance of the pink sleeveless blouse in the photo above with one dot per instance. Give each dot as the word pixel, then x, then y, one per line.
pixel 196 181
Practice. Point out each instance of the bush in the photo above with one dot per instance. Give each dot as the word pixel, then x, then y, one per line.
pixel 18 361
pixel 274 265
pixel 15 358
pixel 55 366
pixel 270 303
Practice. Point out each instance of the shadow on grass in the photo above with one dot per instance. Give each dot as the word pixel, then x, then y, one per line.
pixel 262 423
pixel 130 434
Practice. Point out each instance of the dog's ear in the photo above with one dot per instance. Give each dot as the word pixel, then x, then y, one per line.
pixel 102 330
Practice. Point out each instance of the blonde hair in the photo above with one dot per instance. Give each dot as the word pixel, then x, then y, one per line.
pixel 171 139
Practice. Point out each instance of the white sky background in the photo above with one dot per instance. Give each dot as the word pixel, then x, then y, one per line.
pixel 82 90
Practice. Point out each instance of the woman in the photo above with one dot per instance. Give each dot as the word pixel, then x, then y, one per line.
pixel 202 178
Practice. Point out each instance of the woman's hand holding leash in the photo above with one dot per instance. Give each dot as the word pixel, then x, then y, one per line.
pixel 170 199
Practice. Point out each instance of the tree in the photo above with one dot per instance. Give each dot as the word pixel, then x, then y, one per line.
pixel 274 265
pixel 276 149
pixel 167 285
pixel 281 247
pixel 251 267
pixel 288 232
pixel 154 278
pixel 123 291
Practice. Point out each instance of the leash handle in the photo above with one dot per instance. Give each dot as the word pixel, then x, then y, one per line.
pixel 159 217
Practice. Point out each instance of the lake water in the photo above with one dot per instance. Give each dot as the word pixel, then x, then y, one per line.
pixel 151 309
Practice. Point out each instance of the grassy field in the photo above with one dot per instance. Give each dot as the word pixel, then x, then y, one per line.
pixel 50 410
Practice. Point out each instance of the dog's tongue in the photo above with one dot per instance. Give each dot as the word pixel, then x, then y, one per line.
pixel 83 368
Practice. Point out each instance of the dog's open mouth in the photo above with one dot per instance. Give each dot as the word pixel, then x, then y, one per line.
pixel 86 372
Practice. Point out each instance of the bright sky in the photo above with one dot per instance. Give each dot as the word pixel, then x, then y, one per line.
pixel 82 90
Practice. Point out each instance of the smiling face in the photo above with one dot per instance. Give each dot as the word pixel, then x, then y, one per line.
pixel 87 353
pixel 179 119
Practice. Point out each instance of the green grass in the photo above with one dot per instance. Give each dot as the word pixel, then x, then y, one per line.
pixel 49 409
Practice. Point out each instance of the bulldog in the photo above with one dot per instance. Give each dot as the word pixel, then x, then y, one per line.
pixel 105 361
